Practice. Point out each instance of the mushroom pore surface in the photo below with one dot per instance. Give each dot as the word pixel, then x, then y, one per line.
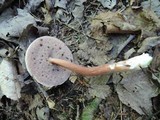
pixel 40 68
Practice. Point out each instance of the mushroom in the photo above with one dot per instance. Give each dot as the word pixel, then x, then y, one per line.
pixel 47 59
pixel 135 63
pixel 38 66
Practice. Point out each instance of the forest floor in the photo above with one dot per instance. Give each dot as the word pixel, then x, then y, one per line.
pixel 97 32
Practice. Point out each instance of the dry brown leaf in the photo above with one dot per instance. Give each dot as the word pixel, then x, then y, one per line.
pixel 92 53
pixel 144 21
pixel 110 22
pixel 155 64
pixel 135 90
pixel 154 70
pixel 148 43
pixel 101 91
pixel 35 101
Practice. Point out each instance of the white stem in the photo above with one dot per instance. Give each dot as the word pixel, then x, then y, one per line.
pixel 138 62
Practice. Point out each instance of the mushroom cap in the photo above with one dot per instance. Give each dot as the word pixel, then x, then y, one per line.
pixel 37 64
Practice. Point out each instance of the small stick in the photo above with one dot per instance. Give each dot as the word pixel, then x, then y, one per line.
pixel 138 62
pixel 131 37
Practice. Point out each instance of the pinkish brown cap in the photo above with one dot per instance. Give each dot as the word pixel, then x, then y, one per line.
pixel 40 68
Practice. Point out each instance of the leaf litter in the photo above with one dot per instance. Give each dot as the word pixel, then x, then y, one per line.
pixel 136 91
pixel 88 28
pixel 130 21
pixel 10 85
pixel 16 24
pixel 32 5
pixel 108 3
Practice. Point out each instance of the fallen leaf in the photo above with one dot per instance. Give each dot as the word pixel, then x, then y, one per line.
pixel 135 90
pixel 60 3
pixel 10 87
pixel 156 77
pixel 7 14
pixel 15 26
pixel 79 2
pixel 92 53
pixel 98 87
pixel 42 113
pixel 35 101
pixel 51 103
pixel 33 4
pixel 148 43
pixel 155 64
pixel 99 80
pixel 110 22
pixel 101 91
pixel 153 5
pixel 108 3
pixel 28 35
pixel 88 111
pixel 73 78
pixel 143 21
pixel 78 12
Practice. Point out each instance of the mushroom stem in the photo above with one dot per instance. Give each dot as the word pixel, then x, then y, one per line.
pixel 138 62
pixel 87 71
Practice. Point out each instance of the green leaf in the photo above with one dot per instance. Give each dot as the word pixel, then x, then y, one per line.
pixel 88 111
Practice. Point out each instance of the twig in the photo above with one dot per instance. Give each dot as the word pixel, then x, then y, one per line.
pixel 131 37
pixel 78 114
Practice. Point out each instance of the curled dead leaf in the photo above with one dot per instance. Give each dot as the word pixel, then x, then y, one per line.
pixel 111 22
pixel 143 21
